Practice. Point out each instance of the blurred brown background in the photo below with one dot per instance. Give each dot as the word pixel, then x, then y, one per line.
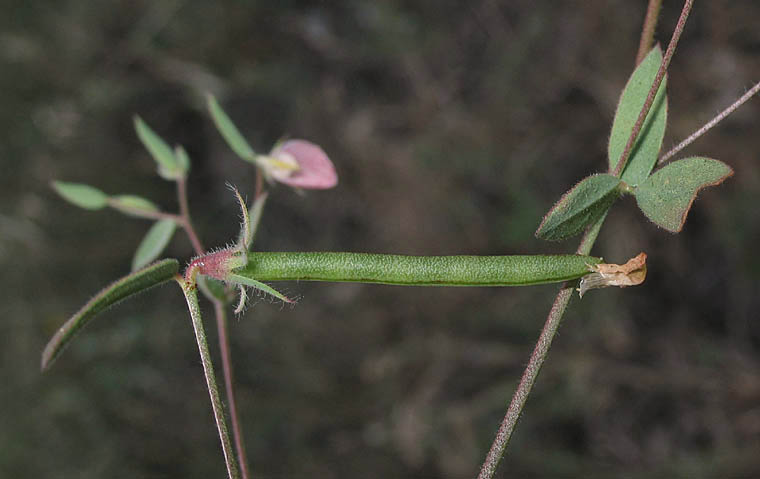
pixel 454 126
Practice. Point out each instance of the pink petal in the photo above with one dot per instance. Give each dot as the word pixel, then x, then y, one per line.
pixel 316 170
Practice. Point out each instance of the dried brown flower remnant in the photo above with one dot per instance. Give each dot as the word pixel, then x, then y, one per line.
pixel 604 275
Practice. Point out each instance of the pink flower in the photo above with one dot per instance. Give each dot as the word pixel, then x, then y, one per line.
pixel 301 164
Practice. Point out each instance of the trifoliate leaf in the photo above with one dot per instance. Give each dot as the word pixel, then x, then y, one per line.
pixel 579 207
pixel 667 195
pixel 154 243
pixel 84 196
pixel 647 147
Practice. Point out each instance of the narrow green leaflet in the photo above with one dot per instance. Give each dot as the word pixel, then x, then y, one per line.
pixel 667 195
pixel 127 286
pixel 230 132
pixel 647 146
pixel 582 205
pixel 255 212
pixel 182 158
pixel 154 243
pixel 239 279
pixel 84 196
pixel 132 205
pixel 168 166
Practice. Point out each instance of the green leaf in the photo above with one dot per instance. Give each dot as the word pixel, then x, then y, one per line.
pixel 239 279
pixel 84 196
pixel 132 205
pixel 230 132
pixel 182 159
pixel 168 166
pixel 127 286
pixel 647 146
pixel 255 212
pixel 154 243
pixel 579 207
pixel 667 195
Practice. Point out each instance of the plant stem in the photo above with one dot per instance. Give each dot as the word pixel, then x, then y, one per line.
pixel 184 213
pixel 189 289
pixel 647 31
pixel 221 326
pixel 554 318
pixel 655 86
pixel 537 358
pixel 224 347
pixel 704 129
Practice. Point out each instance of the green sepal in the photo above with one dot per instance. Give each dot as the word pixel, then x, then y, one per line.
pixel 132 205
pixel 127 286
pixel 154 243
pixel 647 147
pixel 239 279
pixel 582 205
pixel 666 196
pixel 83 196
pixel 229 131
pixel 169 167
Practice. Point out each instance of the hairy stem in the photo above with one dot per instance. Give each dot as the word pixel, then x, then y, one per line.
pixel 553 320
pixel 647 31
pixel 221 325
pixel 189 289
pixel 655 86
pixel 224 346
pixel 537 358
pixel 704 129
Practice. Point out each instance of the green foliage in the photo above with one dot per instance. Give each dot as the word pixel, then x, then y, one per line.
pixel 667 195
pixel 84 196
pixel 132 205
pixel 169 166
pixel 182 158
pixel 647 147
pixel 244 280
pixel 254 215
pixel 154 243
pixel 582 205
pixel 127 286
pixel 230 132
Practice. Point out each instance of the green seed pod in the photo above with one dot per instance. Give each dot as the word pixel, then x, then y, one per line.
pixel 519 270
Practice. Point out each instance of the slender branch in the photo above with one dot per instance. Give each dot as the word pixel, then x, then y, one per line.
pixel 224 348
pixel 221 326
pixel 647 32
pixel 537 358
pixel 554 318
pixel 704 129
pixel 184 212
pixel 191 296
pixel 655 87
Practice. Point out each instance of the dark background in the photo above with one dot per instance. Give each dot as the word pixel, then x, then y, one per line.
pixel 454 126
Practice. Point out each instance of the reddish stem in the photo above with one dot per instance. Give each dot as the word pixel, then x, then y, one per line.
pixel 224 341
pixel 647 32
